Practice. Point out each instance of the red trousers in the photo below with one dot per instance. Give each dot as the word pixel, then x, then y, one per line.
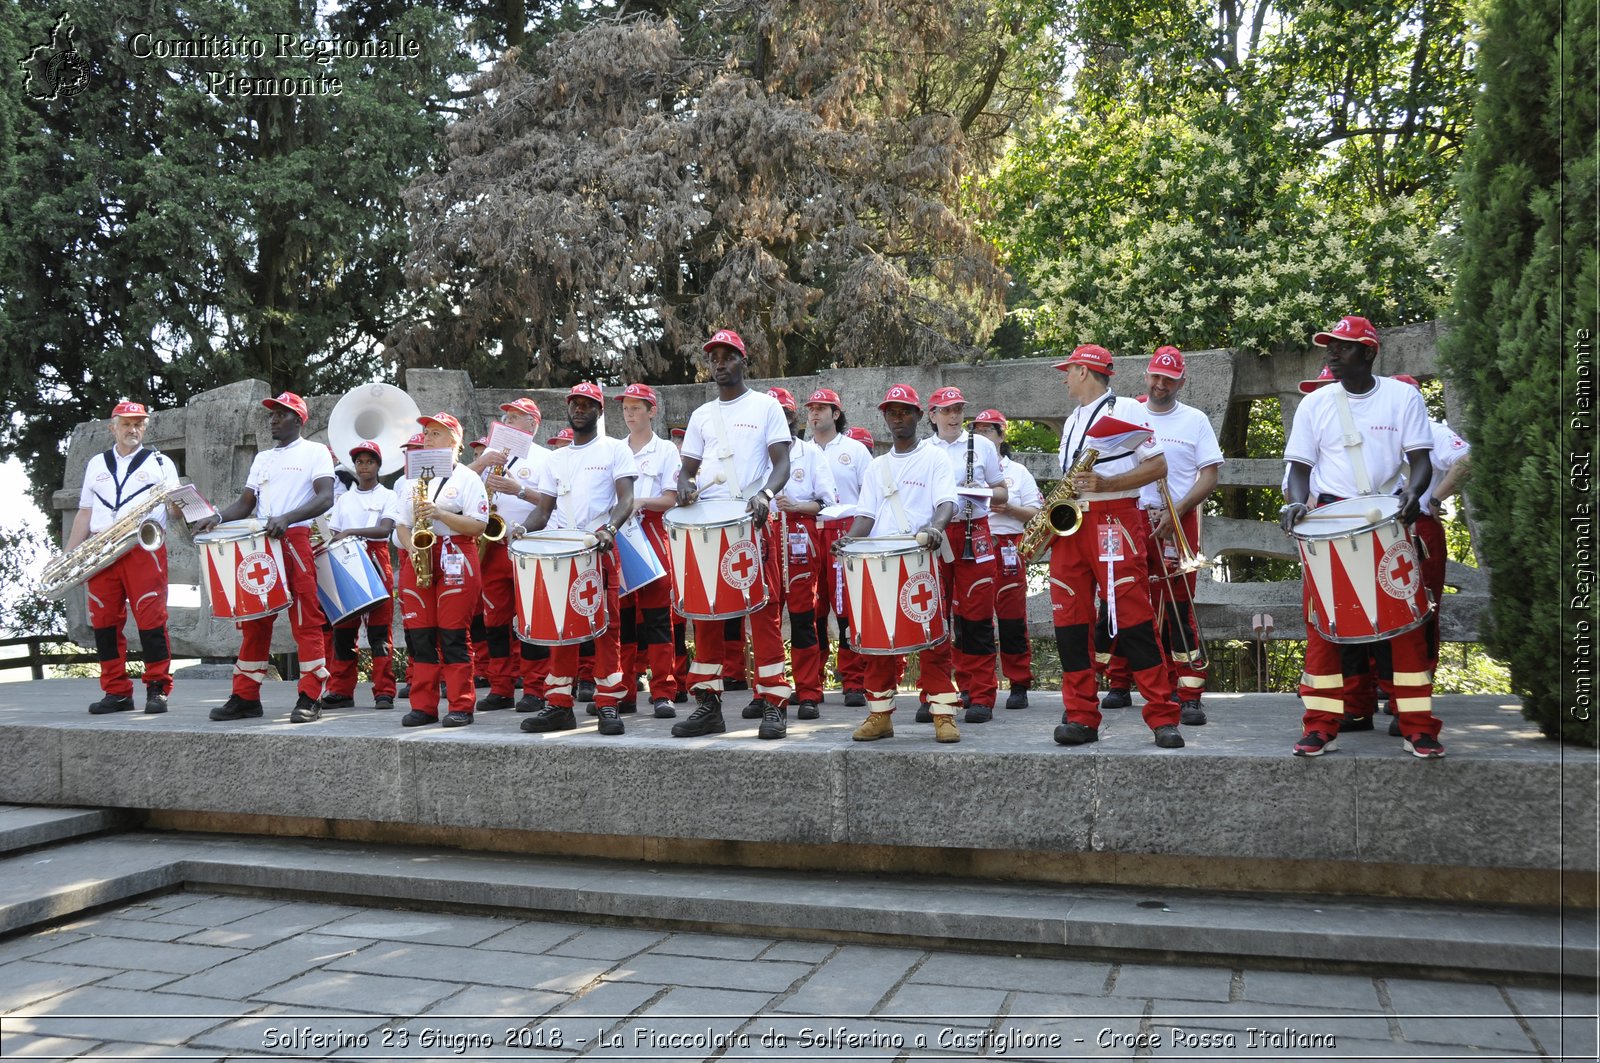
pixel 969 593
pixel 766 639
pixel 137 578
pixel 647 623
pixel 1011 612
pixel 305 620
pixel 1173 601
pixel 564 660
pixel 343 670
pixel 437 618
pixel 882 676
pixel 1077 569
pixel 502 657
pixel 804 558
pixel 852 666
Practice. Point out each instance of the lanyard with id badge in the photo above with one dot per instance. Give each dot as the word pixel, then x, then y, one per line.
pixel 1110 541
pixel 452 564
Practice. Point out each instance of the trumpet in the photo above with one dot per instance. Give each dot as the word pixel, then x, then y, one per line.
pixel 1061 515
pixel 422 539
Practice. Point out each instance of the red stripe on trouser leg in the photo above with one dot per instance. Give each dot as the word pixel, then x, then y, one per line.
pixel 447 605
pixel 305 620
pixel 138 579
pixel 969 589
pixel 1011 608
pixel 605 664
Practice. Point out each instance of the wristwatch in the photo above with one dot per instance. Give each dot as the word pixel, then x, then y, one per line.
pixel 768 492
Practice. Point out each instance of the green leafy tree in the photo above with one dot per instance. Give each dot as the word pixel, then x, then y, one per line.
pixel 1526 285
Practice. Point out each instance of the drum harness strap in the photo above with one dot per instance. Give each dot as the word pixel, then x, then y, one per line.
pixel 891 491
pixel 1353 443
pixel 139 458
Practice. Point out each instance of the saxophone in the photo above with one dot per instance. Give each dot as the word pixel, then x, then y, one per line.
pixel 494 530
pixel 1061 516
pixel 422 539
pixel 98 551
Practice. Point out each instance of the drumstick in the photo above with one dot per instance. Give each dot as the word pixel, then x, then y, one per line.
pixel 1373 516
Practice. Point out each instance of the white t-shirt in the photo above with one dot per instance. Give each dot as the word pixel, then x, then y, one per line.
pixel 526 472
pixel 1391 420
pixel 284 478
pixel 810 479
pixel 922 481
pixel 1448 448
pixel 658 464
pixel 1190 444
pixel 985 470
pixel 460 492
pixel 1022 490
pixel 360 509
pixel 1073 435
pixel 583 481
pixel 753 423
pixel 108 495
pixel 847 461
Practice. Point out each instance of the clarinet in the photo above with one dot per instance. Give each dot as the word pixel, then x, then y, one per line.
pixel 966 503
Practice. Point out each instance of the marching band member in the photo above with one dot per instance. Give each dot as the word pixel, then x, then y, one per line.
pixel 287 486
pixel 364 512
pixel 401 488
pixel 1193 461
pixel 680 624
pixel 510 483
pixel 794 522
pixel 908 491
pixel 647 612
pixel 438 602
pixel 847 460
pixel 1328 462
pixel 745 435
pixel 118 480
pixel 864 437
pixel 588 481
pixel 1022 504
pixel 1107 552
pixel 969 582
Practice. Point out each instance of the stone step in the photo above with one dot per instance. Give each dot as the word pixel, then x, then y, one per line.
pixel 26 827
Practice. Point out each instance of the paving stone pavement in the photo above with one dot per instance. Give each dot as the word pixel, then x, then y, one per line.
pixel 193 975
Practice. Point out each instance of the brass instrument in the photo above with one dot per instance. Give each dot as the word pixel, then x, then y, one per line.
pixel 98 551
pixel 1061 515
pixel 1188 561
pixel 495 528
pixel 378 412
pixel 422 539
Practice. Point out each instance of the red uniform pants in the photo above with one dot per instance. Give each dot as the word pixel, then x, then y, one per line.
pixel 804 559
pixel 647 623
pixel 343 670
pixel 1173 602
pixel 969 593
pixel 852 666
pixel 1011 611
pixel 564 660
pixel 305 620
pixel 882 676
pixel 137 578
pixel 766 638
pixel 500 655
pixel 437 618
pixel 1078 566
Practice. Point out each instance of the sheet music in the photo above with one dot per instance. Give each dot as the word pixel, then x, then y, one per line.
pixel 437 462
pixel 188 499
pixel 512 442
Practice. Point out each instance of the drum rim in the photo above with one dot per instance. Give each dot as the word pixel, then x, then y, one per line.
pixel 849 549
pixel 233 531
pixel 568 550
pixel 1391 517
pixel 742 517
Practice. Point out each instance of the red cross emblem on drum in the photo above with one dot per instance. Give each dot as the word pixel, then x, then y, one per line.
pixel 1397 572
pixel 740 565
pixel 257 573
pixel 586 593
pixel 919 597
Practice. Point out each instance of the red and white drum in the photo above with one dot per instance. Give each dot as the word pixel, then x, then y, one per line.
pixel 243 571
pixel 891 587
pixel 716 564
pixel 560 589
pixel 1363 576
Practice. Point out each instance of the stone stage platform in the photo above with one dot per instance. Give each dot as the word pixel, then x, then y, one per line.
pixel 1507 817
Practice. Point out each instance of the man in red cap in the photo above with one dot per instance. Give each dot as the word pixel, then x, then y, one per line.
pixel 969 582
pixel 909 491
pixel 287 487
pixel 847 459
pixel 1194 460
pixel 116 482
pixel 742 439
pixel 1107 553
pixel 1359 437
pixel 363 512
pixel 680 624
pixel 647 612
pixel 1008 520
pixel 588 486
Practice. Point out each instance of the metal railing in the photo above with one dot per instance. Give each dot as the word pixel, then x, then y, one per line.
pixel 36 657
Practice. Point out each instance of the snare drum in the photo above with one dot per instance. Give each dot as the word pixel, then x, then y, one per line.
pixel 348 580
pixel 1363 578
pixel 560 588
pixel 891 587
pixel 716 565
pixel 243 571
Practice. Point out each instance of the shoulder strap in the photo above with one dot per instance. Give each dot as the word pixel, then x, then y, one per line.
pixel 1352 440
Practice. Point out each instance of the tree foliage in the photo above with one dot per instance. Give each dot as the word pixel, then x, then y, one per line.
pixel 792 170
pixel 1526 285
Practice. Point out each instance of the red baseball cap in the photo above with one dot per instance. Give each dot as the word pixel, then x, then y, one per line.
pixel 1322 378
pixel 366 446
pixel 825 397
pixel 481 443
pixel 1350 327
pixel 784 396
pixel 994 417
pixel 946 397
pixel 587 390
pixel 130 409
pixel 860 435
pixel 1167 362
pixel 643 392
pixel 676 433
pixel 523 405
pixel 561 438
pixel 729 338
pixel 1092 355
pixel 289 401
pixel 444 420
pixel 1407 378
pixel 900 395
pixel 413 443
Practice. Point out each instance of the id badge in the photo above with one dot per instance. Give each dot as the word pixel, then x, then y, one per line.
pixel 799 545
pixel 1110 542
pixel 982 548
pixel 452 564
pixel 1008 559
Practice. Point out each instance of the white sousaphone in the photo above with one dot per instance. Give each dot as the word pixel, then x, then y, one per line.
pixel 380 413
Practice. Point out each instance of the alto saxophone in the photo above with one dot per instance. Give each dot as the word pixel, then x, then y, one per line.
pixel 1061 515
pixel 422 539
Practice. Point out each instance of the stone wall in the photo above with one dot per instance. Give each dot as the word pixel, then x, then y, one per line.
pixel 215 437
